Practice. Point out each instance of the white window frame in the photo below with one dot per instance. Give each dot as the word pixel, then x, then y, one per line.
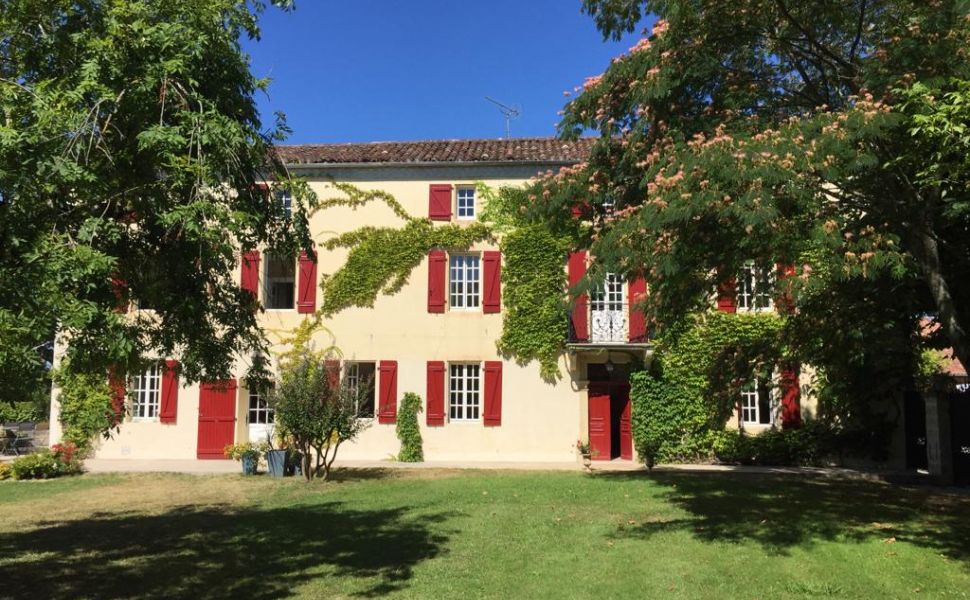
pixel 750 404
pixel 465 282
pixel 269 257
pixel 466 212
pixel 609 296
pixel 758 296
pixel 146 394
pixel 352 380
pixel 465 392
pixel 285 200
pixel 265 415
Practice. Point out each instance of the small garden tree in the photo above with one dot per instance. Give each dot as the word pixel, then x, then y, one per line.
pixel 314 411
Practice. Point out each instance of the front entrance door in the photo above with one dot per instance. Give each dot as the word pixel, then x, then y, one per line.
pixel 600 438
pixel 610 431
pixel 217 418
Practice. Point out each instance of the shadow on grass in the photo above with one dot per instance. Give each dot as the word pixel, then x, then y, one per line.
pixel 218 552
pixel 785 511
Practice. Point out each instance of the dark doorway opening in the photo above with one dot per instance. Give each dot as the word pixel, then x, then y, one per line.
pixel 960 436
pixel 610 430
pixel 915 427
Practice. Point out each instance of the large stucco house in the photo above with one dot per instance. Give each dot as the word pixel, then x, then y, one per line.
pixel 436 337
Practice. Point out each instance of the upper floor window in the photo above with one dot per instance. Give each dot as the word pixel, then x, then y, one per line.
pixel 146 394
pixel 280 283
pixel 756 403
pixel 260 412
pixel 609 296
pixel 464 385
pixel 466 203
pixel 465 281
pixel 360 383
pixel 285 201
pixel 754 287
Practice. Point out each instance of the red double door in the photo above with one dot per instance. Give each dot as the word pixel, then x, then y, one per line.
pixel 610 431
pixel 217 418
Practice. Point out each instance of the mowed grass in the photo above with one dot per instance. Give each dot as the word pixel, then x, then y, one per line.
pixel 481 534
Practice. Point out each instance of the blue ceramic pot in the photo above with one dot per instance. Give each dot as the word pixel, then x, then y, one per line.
pixel 276 462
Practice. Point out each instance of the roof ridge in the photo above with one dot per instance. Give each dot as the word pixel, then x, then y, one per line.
pixel 522 150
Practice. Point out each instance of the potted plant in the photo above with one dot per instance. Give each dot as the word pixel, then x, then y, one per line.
pixel 584 451
pixel 247 453
pixel 276 458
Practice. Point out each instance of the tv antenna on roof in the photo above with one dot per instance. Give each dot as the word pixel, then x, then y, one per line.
pixel 510 113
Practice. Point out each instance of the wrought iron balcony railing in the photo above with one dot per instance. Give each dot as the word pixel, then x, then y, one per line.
pixel 607 324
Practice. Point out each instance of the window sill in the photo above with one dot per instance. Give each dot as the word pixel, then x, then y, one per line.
pixel 143 420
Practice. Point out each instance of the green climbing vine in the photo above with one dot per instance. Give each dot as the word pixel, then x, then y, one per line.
pixel 535 326
pixel 381 259
pixel 684 401
pixel 407 429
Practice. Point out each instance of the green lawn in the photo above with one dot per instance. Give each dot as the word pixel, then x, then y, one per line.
pixel 448 534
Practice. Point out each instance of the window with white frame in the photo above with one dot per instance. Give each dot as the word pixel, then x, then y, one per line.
pixel 146 393
pixel 280 282
pixel 756 406
pixel 464 283
pixel 609 296
pixel 466 203
pixel 359 380
pixel 260 412
pixel 464 397
pixel 285 201
pixel 754 287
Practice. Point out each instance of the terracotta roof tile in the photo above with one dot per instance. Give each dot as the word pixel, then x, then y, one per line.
pixel 441 151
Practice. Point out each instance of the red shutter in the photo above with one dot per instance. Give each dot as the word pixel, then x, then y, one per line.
pixel 119 287
pixel 333 372
pixel 493 393
pixel 784 301
pixel 118 395
pixel 437 266
pixel 168 411
pixel 577 269
pixel 637 291
pixel 791 410
pixel 249 279
pixel 387 404
pixel 306 302
pixel 492 302
pixel 726 292
pixel 439 202
pixel 436 393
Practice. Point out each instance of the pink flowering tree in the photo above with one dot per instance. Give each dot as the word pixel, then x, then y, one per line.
pixel 826 136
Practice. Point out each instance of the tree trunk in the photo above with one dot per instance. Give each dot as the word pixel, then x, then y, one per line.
pixel 928 256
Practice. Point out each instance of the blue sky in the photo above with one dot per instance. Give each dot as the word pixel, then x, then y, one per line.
pixel 373 70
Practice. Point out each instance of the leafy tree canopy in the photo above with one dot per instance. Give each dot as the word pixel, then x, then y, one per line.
pixel 131 158
pixel 831 135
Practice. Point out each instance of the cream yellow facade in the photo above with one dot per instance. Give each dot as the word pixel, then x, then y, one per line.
pixel 540 420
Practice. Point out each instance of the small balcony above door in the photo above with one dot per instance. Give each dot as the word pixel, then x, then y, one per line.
pixel 606 320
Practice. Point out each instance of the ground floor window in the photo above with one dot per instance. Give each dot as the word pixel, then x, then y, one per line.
pixel 260 412
pixel 360 383
pixel 146 393
pixel 464 383
pixel 756 403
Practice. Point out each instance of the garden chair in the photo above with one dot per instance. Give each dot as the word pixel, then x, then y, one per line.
pixel 8 437
pixel 25 438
